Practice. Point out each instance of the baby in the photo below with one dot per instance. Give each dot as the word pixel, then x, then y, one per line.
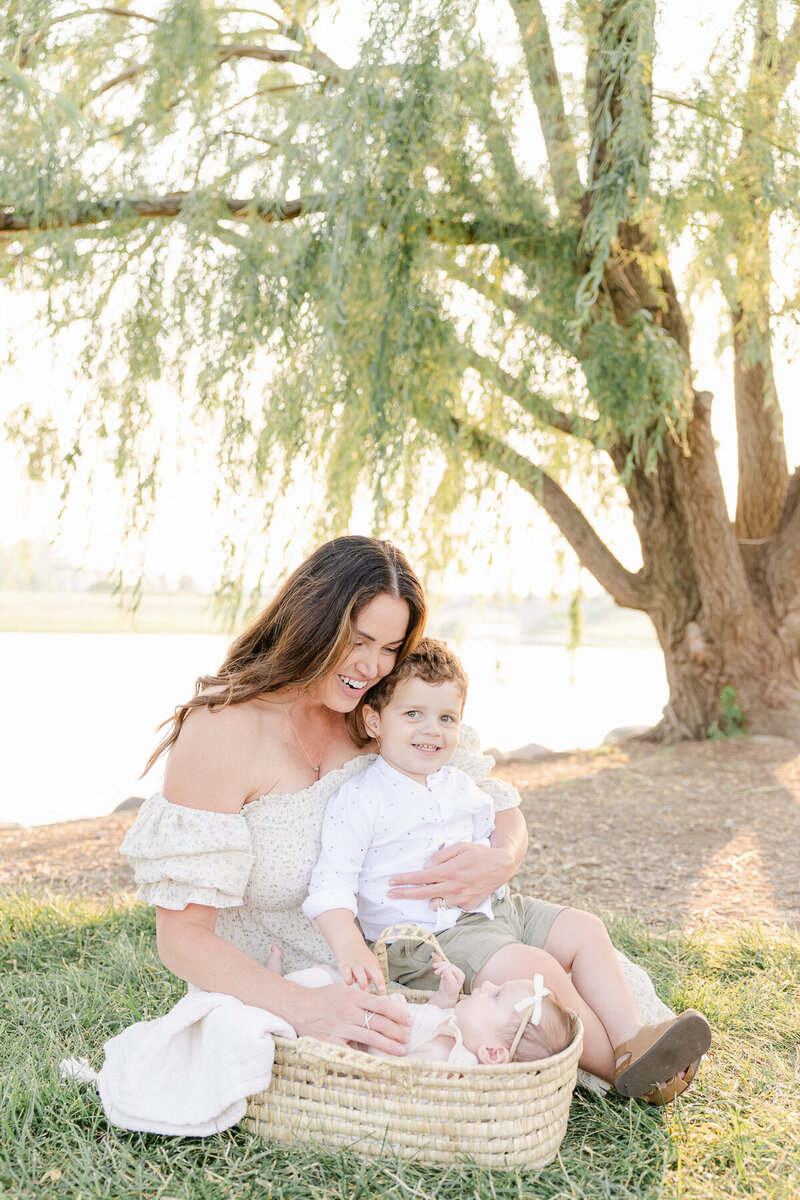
pixel 516 1021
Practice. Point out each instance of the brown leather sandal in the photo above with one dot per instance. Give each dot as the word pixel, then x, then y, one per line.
pixel 654 1058
pixel 666 1093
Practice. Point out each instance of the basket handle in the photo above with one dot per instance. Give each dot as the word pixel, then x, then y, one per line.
pixel 399 933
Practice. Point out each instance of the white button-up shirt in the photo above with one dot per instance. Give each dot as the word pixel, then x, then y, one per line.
pixel 380 824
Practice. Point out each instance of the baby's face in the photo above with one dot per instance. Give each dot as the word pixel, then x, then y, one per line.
pixel 418 728
pixel 485 1013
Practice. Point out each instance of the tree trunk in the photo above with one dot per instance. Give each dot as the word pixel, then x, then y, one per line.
pixel 763 470
pixel 759 668
pixel 726 615
pixel 753 648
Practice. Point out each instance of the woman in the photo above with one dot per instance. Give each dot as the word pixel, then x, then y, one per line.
pixel 226 850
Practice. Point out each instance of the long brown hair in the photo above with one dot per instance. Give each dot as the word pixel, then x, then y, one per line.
pixel 308 627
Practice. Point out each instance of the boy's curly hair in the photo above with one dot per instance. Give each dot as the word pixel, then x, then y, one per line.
pixel 432 661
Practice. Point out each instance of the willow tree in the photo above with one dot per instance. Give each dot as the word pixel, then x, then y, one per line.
pixel 447 258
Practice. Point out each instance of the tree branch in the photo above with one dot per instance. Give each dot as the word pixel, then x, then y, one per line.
pixel 535 403
pixel 32 41
pixel 671 98
pixel 549 101
pixel 621 136
pixel 128 13
pixel 478 283
pixel 527 309
pixel 763 468
pixel 500 149
pixel 721 576
pixel 130 72
pixel 513 238
pixel 157 207
pixel 625 586
pixel 315 61
pixel 790 53
pixel 453 233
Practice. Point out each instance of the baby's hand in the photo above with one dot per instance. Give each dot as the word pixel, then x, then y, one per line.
pixel 451 977
pixel 363 968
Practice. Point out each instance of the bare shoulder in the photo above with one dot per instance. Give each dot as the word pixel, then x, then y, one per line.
pixel 217 759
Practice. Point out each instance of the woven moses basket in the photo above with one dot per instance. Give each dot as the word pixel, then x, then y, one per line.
pixel 498 1116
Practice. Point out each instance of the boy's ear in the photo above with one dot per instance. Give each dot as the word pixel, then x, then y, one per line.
pixel 492 1055
pixel 371 719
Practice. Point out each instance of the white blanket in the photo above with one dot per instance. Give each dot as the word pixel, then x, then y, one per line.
pixel 190 1072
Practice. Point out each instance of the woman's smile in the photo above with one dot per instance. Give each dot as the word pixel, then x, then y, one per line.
pixel 354 685
pixel 380 629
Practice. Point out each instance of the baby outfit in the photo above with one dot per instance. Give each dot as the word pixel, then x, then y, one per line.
pixel 427 1022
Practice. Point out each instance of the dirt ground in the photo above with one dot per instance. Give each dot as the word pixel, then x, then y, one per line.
pixel 693 835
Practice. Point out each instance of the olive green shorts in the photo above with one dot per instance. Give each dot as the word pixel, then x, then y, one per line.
pixel 473 940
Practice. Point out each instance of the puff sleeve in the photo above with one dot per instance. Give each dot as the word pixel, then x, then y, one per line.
pixel 186 856
pixel 468 758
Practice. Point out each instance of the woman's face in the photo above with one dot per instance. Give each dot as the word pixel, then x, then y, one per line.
pixel 380 630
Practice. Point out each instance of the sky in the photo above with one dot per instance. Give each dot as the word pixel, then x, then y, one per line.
pixel 187 532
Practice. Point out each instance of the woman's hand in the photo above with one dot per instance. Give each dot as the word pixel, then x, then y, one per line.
pixel 342 1015
pixel 463 875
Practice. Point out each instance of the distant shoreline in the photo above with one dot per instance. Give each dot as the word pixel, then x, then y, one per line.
pixel 102 612
pixel 604 625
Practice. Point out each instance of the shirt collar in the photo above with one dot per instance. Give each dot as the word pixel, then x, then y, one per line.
pixel 392 773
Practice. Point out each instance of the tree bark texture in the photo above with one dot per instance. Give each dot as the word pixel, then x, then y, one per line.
pixel 761 451
pixel 749 642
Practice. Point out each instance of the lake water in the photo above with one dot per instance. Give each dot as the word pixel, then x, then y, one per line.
pixel 78 712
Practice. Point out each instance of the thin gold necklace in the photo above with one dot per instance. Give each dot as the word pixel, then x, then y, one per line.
pixel 314 767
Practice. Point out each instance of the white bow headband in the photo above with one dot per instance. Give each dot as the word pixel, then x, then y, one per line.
pixel 532 1007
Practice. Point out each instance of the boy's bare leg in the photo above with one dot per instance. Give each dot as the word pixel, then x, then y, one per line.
pixel 517 961
pixel 579 941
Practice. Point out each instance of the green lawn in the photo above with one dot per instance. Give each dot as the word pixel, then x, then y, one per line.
pixel 73 976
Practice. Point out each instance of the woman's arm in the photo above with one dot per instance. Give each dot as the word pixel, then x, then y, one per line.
pixel 190 948
pixel 464 874
pixel 210 767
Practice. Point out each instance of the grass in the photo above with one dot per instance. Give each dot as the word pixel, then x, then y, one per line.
pixel 72 976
